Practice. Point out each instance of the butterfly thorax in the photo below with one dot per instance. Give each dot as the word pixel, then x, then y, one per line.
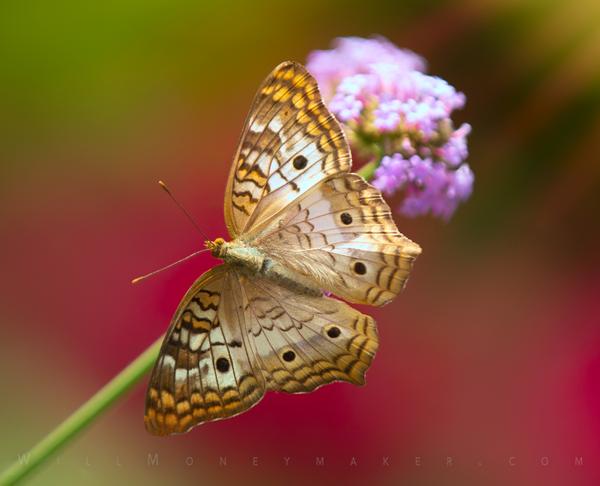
pixel 252 261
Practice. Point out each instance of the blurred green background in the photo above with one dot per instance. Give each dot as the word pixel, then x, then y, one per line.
pixel 493 351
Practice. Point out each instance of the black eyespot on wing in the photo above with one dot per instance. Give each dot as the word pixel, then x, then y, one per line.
pixel 288 356
pixel 360 268
pixel 346 218
pixel 300 162
pixel 223 365
pixel 333 332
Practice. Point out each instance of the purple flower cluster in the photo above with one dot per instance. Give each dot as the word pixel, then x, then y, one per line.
pixel 429 185
pixel 390 107
pixel 355 55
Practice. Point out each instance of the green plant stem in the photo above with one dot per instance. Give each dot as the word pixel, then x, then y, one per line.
pixel 368 170
pixel 103 399
pixel 83 416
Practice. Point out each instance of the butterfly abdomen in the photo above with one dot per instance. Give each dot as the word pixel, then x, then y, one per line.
pixel 289 278
pixel 253 262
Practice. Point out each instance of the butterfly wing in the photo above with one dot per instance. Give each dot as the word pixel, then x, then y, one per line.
pixel 206 369
pixel 233 337
pixel 304 342
pixel 290 142
pixel 342 235
pixel 290 194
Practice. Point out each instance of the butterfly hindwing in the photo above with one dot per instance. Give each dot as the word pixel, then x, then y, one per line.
pixel 206 370
pixel 342 235
pixel 303 341
pixel 290 142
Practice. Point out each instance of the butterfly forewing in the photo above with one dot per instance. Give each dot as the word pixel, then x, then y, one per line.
pixel 290 142
pixel 206 369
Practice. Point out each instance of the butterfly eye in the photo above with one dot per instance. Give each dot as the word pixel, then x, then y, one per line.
pixel 288 356
pixel 333 332
pixel 300 162
pixel 360 268
pixel 223 365
pixel 346 218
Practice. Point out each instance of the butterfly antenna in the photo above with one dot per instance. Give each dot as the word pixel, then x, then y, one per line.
pixel 143 277
pixel 167 190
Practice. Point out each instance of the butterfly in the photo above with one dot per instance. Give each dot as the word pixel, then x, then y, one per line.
pixel 302 227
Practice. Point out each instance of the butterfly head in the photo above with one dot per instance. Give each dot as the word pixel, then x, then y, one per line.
pixel 216 247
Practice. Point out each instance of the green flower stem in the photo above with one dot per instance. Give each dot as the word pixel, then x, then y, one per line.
pixel 368 170
pixel 83 416
pixel 103 399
